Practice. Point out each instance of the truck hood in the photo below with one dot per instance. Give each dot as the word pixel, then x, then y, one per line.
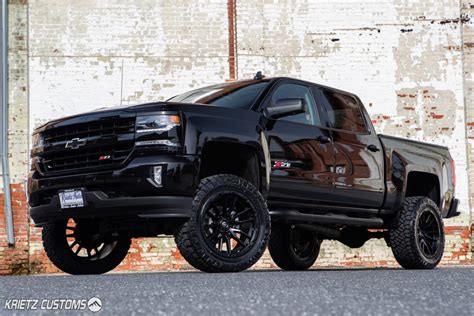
pixel 133 110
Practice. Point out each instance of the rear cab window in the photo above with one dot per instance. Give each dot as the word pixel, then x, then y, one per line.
pixel 343 111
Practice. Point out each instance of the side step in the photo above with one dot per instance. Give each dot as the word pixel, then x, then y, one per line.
pixel 295 216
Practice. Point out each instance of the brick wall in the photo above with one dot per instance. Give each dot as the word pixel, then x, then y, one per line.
pixel 467 13
pixel 411 62
pixel 403 58
pixel 15 260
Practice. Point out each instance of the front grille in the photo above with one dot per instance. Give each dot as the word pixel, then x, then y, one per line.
pixel 105 143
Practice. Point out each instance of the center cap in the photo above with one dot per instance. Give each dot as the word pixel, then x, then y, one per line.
pixel 224 224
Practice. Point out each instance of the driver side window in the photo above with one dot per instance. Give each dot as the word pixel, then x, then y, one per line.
pixel 292 90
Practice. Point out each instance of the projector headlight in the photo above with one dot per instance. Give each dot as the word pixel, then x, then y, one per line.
pixel 157 123
pixel 161 129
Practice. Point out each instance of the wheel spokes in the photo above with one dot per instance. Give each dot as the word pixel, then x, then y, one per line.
pixel 73 244
pixel 220 244
pixel 228 245
pixel 429 233
pixel 247 209
pixel 229 219
pixel 248 220
pixel 236 238
pixel 241 232
pixel 78 249
pixel 427 236
pixel 212 211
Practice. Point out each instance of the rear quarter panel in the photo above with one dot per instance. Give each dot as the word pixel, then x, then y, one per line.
pixel 404 156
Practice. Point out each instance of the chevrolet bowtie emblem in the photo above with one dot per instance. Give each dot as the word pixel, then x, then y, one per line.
pixel 75 143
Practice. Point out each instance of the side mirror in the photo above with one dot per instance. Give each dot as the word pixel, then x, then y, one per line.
pixel 285 107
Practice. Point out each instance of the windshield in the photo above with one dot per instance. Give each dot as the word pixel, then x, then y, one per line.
pixel 237 95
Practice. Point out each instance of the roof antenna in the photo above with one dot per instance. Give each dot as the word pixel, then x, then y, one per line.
pixel 258 76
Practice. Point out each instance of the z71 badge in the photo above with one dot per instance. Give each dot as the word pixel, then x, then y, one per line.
pixel 281 164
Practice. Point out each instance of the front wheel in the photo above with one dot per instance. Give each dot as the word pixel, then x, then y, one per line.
pixel 80 248
pixel 418 240
pixel 293 248
pixel 229 226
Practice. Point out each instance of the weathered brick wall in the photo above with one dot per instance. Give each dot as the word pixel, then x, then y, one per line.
pixel 411 62
pixel 467 12
pixel 92 54
pixel 403 58
pixel 15 260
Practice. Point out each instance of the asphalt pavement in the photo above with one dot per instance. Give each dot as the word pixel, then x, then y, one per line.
pixel 444 291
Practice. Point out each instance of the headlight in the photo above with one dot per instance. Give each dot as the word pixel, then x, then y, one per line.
pixel 37 140
pixel 162 129
pixel 157 123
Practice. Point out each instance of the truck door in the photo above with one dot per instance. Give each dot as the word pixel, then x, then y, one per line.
pixel 358 154
pixel 301 151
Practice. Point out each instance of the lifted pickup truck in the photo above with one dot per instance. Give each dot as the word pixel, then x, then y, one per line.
pixel 217 166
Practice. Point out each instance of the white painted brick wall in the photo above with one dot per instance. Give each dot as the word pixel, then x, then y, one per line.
pixel 403 58
pixel 80 50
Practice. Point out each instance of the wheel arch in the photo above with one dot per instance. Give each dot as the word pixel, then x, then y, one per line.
pixel 240 159
pixel 421 183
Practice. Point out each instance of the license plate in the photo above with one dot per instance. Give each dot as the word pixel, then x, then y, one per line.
pixel 71 198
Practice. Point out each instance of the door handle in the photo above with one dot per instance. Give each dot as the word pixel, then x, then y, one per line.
pixel 373 148
pixel 323 139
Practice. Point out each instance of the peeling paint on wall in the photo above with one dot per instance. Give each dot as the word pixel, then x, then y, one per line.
pixel 411 62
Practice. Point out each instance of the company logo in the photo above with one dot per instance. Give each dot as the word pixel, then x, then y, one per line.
pixel 94 304
pixel 105 157
pixel 75 143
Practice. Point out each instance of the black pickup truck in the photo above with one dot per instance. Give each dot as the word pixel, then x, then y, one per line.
pixel 231 168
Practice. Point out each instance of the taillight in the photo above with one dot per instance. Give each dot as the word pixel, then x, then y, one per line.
pixel 453 172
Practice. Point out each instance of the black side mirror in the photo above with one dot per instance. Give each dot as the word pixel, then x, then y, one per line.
pixel 285 107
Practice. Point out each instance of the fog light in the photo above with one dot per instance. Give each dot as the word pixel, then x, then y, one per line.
pixel 157 175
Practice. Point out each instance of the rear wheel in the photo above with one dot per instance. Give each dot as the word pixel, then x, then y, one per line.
pixel 229 226
pixel 292 248
pixel 80 248
pixel 418 240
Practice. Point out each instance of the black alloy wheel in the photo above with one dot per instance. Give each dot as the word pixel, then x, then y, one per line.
pixel 428 233
pixel 85 241
pixel 293 248
pixel 303 243
pixel 417 240
pixel 229 226
pixel 81 248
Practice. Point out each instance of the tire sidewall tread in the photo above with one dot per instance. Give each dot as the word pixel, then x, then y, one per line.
pixel 403 239
pixel 280 250
pixel 192 245
pixel 57 250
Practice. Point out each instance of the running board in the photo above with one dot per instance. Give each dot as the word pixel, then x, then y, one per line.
pixel 295 216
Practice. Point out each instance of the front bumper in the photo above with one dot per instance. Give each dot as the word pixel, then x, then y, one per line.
pixel 129 191
pixel 99 205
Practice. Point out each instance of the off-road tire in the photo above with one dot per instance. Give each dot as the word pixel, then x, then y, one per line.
pixel 190 238
pixel 283 252
pixel 404 241
pixel 58 251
